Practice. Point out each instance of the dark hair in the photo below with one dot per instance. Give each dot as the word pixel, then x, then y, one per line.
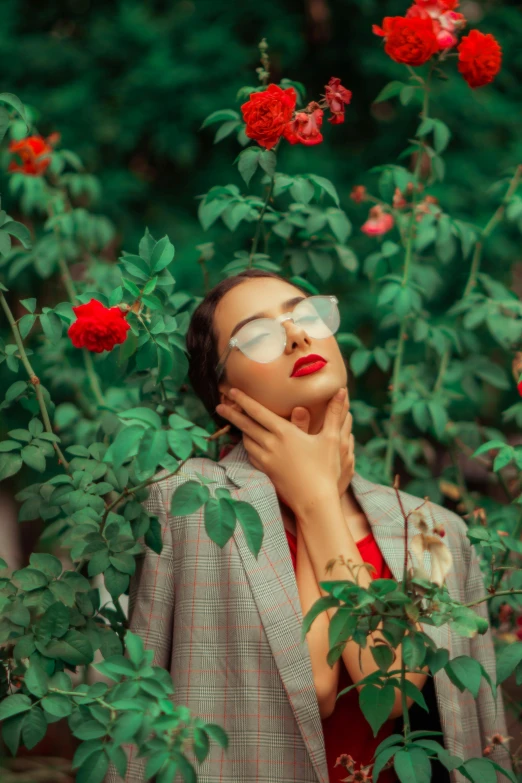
pixel 202 343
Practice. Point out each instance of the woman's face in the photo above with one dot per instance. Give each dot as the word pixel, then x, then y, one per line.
pixel 272 384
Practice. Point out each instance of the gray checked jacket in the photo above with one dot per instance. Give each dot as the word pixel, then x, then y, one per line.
pixel 228 626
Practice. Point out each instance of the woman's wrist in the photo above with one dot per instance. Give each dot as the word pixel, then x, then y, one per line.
pixel 312 502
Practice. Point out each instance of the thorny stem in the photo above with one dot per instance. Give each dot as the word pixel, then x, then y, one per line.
pixel 390 449
pixel 33 378
pixel 257 234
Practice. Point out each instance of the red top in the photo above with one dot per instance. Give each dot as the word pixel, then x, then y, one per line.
pixel 346 730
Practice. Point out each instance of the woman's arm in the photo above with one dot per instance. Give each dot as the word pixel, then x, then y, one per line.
pixel 325 678
pixel 327 536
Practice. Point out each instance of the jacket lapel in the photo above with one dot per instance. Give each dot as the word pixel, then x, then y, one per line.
pixel 274 587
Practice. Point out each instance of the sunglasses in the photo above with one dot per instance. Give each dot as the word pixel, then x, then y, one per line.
pixel 264 339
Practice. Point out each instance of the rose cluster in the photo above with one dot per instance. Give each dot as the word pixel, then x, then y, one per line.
pixel 429 28
pixel 270 114
pixel 34 153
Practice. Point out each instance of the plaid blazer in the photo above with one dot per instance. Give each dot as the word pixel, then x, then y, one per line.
pixel 227 627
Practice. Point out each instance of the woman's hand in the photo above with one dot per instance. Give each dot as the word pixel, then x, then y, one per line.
pixel 301 466
pixel 301 418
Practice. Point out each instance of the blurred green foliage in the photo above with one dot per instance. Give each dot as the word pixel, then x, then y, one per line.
pixel 128 85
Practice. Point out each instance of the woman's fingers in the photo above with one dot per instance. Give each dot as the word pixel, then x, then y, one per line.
pixel 267 419
pixel 244 423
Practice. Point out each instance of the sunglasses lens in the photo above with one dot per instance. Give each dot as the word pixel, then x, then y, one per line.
pixel 264 340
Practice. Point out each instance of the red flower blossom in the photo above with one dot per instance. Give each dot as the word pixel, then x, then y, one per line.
pixel 336 96
pixel 358 193
pixel 35 153
pixel 304 128
pixel 446 21
pixel 267 113
pixel 519 387
pixel 519 628
pixel 399 202
pixel 379 222
pixel 98 328
pixel 480 58
pixel 408 40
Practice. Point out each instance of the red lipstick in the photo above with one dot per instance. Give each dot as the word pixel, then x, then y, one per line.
pixel 308 364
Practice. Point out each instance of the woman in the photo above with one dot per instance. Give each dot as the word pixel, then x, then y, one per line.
pixel 228 625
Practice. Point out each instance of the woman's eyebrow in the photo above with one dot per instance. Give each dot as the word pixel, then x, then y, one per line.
pixel 288 303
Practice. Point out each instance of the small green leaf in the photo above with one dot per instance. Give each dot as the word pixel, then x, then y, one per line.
pixel 247 162
pixel 389 91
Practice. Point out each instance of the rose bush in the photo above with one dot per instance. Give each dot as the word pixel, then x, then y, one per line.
pixel 104 446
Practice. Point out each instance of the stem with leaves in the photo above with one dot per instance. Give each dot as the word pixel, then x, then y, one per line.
pixel 492 223
pixel 410 233
pixel 33 378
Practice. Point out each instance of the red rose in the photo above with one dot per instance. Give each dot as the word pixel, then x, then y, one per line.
pixel 480 57
pixel 267 113
pixel 304 128
pixel 379 222
pixel 98 328
pixel 358 193
pixel 35 153
pixel 408 40
pixel 336 96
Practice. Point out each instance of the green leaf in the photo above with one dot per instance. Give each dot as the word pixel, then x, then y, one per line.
pixel 126 444
pixel 134 645
pixel 12 705
pixel 481 770
pixel 376 704
pixel 73 648
pixel 507 661
pixel 19 231
pixel 441 136
pixel 153 537
pixel 145 415
pixel 225 130
pixel 412 765
pixel 220 520
pixel 58 705
pixel 465 673
pixel 34 727
pixel 9 465
pixel 162 255
pixel 16 103
pixel 268 161
pixel 36 680
pixel 30 579
pixel 56 619
pixel 188 498
pixel 34 457
pixel 406 94
pixel 11 731
pixel 247 162
pixel 221 115
pixel 251 525
pixel 29 304
pixel 93 769
pixel 340 225
pixel 389 91
pixel 52 326
pixel 48 564
pixel 115 582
